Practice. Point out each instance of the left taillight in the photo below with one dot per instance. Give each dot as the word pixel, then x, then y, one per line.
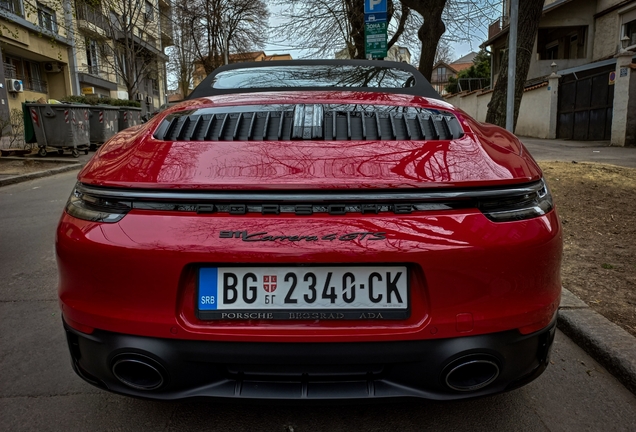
pixel 96 209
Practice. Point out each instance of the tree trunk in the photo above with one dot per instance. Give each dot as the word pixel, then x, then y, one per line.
pixel 356 20
pixel 430 32
pixel 529 16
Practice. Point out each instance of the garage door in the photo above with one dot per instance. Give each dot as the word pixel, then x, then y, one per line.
pixel 585 105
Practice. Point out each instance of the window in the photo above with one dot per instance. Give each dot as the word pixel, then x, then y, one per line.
pixel 47 18
pixel 29 72
pixel 441 75
pixel 150 12
pixel 629 30
pixel 561 43
pixel 551 51
pixel 327 75
pixel 92 57
pixel 13 6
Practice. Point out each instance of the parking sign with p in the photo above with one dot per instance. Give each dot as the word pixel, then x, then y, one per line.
pixel 374 6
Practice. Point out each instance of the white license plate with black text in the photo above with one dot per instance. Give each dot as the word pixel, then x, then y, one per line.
pixel 317 292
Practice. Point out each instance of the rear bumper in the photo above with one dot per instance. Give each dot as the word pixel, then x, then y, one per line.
pixel 359 370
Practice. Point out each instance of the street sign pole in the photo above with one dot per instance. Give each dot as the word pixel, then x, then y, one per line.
pixel 512 66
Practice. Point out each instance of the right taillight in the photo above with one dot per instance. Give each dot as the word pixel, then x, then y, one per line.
pixel 513 208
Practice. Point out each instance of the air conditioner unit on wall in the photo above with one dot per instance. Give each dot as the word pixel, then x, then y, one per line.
pixel 52 67
pixel 14 85
pixel 139 97
pixel 148 100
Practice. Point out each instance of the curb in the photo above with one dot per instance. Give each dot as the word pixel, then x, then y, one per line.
pixel 38 174
pixel 606 342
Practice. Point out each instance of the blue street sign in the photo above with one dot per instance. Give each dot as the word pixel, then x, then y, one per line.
pixel 374 6
pixel 376 17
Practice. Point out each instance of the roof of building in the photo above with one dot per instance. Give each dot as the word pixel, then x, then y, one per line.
pixel 246 56
pixel 460 64
pixel 468 58
pixel 278 57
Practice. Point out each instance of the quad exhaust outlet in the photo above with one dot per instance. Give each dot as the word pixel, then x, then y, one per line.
pixel 138 371
pixel 471 373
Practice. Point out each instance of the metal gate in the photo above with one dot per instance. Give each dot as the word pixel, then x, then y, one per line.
pixel 585 105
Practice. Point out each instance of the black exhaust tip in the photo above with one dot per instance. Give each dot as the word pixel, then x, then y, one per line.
pixel 138 371
pixel 471 373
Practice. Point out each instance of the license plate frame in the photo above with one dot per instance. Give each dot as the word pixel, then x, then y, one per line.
pixel 298 312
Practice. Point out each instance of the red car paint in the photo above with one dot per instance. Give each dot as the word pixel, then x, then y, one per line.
pixel 469 275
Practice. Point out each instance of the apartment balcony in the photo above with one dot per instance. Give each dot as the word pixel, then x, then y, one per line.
pixel 167 38
pixel 497 26
pixel 91 19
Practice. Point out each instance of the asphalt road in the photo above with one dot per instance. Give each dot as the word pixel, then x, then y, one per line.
pixel 39 391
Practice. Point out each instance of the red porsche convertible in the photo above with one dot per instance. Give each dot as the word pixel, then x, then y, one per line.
pixel 310 230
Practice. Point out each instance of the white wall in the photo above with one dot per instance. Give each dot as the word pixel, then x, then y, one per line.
pixel 534 113
pixel 474 104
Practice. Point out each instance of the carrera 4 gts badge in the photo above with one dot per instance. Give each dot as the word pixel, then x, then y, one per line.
pixel 264 236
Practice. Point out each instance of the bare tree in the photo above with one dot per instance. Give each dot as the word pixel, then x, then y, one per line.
pixel 219 27
pixel 181 54
pixel 336 23
pixel 529 16
pixel 447 20
pixel 333 24
pixel 444 52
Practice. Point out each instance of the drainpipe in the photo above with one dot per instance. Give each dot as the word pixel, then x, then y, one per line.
pixel 72 53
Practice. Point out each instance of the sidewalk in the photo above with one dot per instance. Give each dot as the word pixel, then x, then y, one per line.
pixel 580 151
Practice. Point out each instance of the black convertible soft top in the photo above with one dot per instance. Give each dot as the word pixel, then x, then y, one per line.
pixel 349 75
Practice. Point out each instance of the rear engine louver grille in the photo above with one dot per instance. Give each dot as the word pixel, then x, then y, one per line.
pixel 315 122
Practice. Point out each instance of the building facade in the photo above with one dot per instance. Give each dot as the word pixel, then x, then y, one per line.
pixel 57 48
pixel 36 51
pixel 105 49
pixel 442 71
pixel 584 54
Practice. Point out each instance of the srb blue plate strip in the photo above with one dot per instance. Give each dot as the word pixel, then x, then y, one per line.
pixel 208 287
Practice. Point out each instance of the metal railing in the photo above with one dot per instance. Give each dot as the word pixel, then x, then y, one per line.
pixel 91 70
pixel 472 84
pixel 36 85
pixel 32 84
pixel 9 71
pixel 91 14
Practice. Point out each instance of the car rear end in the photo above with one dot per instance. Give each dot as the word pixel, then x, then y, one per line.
pixel 310 245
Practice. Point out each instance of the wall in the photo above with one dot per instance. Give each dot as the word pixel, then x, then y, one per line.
pixel 534 114
pixel 474 104
pixel 607 36
pixel 534 118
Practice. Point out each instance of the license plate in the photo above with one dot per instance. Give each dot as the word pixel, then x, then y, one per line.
pixel 303 293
